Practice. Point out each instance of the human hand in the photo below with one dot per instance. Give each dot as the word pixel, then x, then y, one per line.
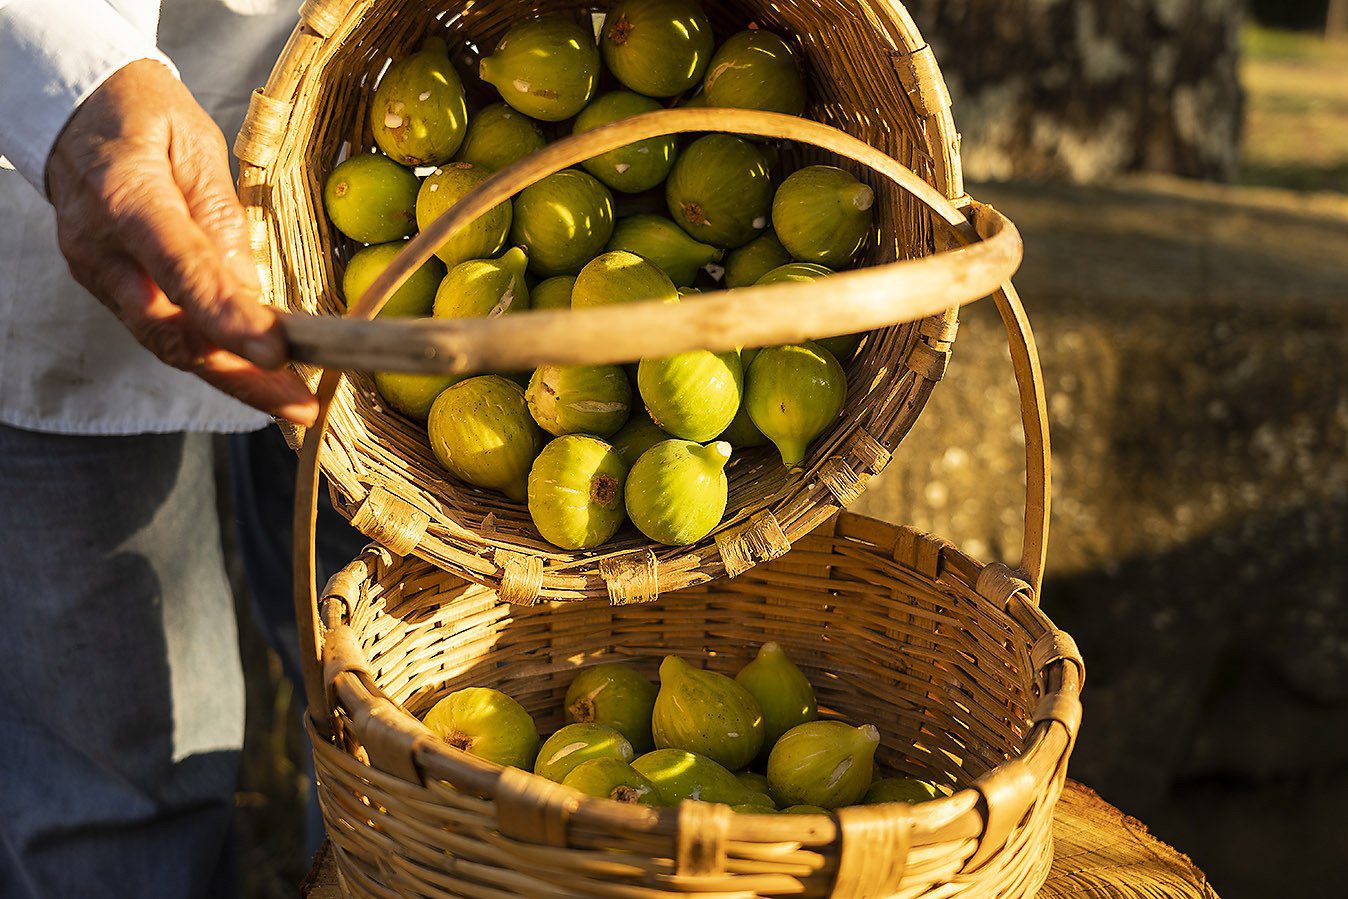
pixel 147 218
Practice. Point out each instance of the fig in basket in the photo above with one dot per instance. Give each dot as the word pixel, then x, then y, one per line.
pixel 371 199
pixel 753 782
pixel 679 774
pixel 497 136
pixel 663 244
pixel 480 288
pixel 756 70
pixel 481 432
pixel 706 713
pixel 613 779
pixel 576 744
pixel 676 492
pixel 782 692
pixel 415 297
pixel 900 789
pixel 488 724
pixel 638 166
pixel 823 215
pixel 579 399
pixel 576 492
pixel 742 432
pixel 563 221
pixel 793 394
pixel 844 346
pixel 720 191
pixel 412 394
pixel 744 266
pixel 479 239
pixel 554 293
pixel 823 763
pixel 616 695
pixel 419 115
pixel 692 395
pixel 657 47
pixel 621 277
pixel 545 68
pixel 637 436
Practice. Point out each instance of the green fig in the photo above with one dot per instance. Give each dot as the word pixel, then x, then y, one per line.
pixel 754 783
pixel 371 199
pixel 664 245
pixel 498 136
pixel 579 399
pixel 415 297
pixel 621 277
pixel 706 713
pixel 677 491
pixel 616 695
pixel 756 70
pixel 844 346
pixel 689 292
pixel 554 293
pixel 793 394
pixel 678 775
pixel 637 166
pixel 576 744
pixel 479 239
pixel 610 778
pixel 823 215
pixel 749 808
pixel 693 395
pixel 576 492
pixel 546 68
pixel 481 432
pixel 720 191
pixel 411 394
pixel 900 789
pixel 742 432
pixel 782 692
pixel 804 810
pixel 488 724
pixel 637 436
pixel 657 47
pixel 823 763
pixel 563 221
pixel 697 101
pixel 746 265
pixel 419 114
pixel 481 288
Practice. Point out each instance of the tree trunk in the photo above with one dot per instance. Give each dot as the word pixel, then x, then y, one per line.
pixel 1336 22
pixel 1086 89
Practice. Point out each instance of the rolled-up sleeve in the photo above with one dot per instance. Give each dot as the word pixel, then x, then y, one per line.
pixel 52 57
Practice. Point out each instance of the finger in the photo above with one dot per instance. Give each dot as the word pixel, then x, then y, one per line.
pixel 280 393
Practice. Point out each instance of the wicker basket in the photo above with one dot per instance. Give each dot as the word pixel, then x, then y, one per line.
pixel 871 76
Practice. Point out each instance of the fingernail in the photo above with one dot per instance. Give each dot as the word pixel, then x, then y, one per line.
pixel 266 351
pixel 300 413
pixel 243 268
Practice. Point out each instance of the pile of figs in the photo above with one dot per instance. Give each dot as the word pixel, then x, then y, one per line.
pixel 754 742
pixel 589 447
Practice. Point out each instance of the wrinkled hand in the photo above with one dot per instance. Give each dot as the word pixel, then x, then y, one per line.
pixel 148 220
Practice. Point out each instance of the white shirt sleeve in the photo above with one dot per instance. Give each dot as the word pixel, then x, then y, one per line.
pixel 52 57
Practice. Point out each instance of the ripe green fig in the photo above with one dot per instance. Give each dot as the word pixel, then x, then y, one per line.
pixel 576 744
pixel 755 783
pixel 664 245
pixel 823 763
pixel 621 277
pixel 720 191
pixel 616 695
pixel 479 239
pixel 371 199
pixel 411 394
pixel 488 724
pixel 746 265
pixel 612 779
pixel 823 215
pixel 693 395
pixel 793 394
pixel 637 166
pixel 678 775
pixel 563 221
pixel 782 692
pixel 677 491
pixel 804 810
pixel 637 436
pixel 415 297
pixel 576 492
pixel 657 47
pixel 481 432
pixel 742 432
pixel 579 399
pixel 900 789
pixel 481 288
pixel 844 346
pixel 554 293
pixel 546 68
pixel 706 713
pixel 419 114
pixel 756 70
pixel 498 136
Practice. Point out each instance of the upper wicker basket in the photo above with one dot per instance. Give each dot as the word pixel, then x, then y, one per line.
pixel 871 76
